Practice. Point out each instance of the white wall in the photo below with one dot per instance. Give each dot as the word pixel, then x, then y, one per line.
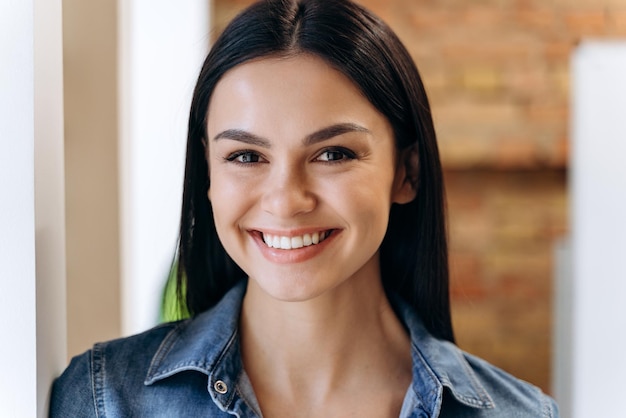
pixel 91 166
pixel 162 46
pixel 598 185
pixel 17 210
pixel 31 234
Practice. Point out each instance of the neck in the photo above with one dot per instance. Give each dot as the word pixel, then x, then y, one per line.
pixel 310 348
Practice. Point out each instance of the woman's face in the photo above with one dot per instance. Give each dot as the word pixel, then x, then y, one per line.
pixel 303 174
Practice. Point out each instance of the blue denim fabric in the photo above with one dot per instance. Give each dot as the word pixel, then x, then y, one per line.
pixel 193 368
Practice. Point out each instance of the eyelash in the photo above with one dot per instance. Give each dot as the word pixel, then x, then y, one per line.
pixel 345 155
pixel 235 155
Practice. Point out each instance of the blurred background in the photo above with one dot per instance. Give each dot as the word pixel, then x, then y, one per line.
pixel 499 77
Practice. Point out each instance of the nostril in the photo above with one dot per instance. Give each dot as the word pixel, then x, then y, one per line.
pixel 288 200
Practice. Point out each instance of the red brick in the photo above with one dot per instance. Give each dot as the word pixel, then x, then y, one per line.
pixel 465 282
pixel 483 17
pixel 557 50
pixel 515 152
pixel 535 19
pixel 526 81
pixel 617 19
pixel 424 19
pixel 586 23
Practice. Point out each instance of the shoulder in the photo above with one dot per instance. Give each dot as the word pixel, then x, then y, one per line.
pixel 162 372
pixel 457 384
pixel 114 363
pixel 508 395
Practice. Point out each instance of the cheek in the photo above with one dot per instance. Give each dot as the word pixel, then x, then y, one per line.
pixel 230 197
pixel 219 197
pixel 226 215
pixel 367 202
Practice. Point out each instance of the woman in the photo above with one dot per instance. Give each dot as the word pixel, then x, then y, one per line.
pixel 312 251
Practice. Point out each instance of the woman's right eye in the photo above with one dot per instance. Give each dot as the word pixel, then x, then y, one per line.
pixel 244 157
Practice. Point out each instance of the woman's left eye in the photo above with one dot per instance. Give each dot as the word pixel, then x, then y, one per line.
pixel 335 154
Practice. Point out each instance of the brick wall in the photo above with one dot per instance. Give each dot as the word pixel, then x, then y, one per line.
pixel 497 73
pixel 503 226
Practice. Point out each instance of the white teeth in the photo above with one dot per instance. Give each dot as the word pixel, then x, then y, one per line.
pixel 288 243
pixel 297 242
pixel 306 240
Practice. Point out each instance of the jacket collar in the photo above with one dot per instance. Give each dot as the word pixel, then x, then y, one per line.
pixel 439 364
pixel 209 344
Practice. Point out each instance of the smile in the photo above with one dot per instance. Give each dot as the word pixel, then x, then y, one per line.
pixel 292 243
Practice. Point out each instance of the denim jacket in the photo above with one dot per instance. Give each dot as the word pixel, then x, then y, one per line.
pixel 193 368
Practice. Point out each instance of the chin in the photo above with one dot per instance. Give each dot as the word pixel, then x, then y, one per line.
pixel 291 288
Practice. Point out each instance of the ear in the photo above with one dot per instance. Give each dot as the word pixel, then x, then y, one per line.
pixel 406 178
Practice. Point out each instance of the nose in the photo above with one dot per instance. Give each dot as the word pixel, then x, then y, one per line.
pixel 287 193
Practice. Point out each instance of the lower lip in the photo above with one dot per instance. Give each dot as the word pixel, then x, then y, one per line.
pixel 298 255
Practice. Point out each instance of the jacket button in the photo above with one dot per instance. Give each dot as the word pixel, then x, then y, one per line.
pixel 220 387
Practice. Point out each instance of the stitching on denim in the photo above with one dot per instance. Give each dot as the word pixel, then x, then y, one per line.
pixel 240 394
pixel 547 410
pixel 164 348
pixel 98 365
pixel 485 399
pixel 92 378
pixel 246 402
pixel 218 360
pixel 177 368
pixel 430 372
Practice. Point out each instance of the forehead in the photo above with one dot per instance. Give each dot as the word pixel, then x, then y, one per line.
pixel 300 71
pixel 276 93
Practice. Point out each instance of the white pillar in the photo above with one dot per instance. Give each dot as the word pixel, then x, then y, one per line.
pixel 49 198
pixel 162 45
pixel 598 181
pixel 32 315
pixel 17 211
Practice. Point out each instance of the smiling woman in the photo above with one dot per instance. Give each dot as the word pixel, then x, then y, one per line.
pixel 312 251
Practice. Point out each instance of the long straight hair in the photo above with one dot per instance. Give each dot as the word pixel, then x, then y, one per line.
pixel 414 255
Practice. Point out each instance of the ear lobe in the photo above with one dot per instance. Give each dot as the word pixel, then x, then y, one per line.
pixel 404 190
pixel 406 178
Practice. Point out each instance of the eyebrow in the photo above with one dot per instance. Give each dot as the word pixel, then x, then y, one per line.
pixel 313 138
